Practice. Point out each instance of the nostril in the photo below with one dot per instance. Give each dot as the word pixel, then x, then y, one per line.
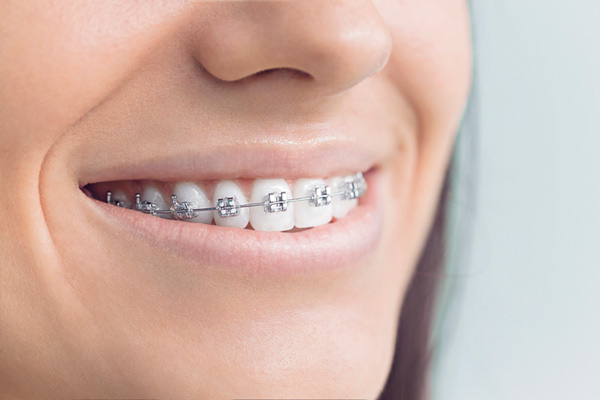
pixel 290 71
pixel 280 74
pixel 283 74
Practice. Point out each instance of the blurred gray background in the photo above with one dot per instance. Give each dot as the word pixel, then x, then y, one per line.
pixel 522 299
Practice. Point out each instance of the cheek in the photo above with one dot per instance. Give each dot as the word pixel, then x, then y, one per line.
pixel 62 58
pixel 430 68
pixel 431 59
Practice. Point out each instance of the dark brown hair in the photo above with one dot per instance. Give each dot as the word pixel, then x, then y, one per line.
pixel 408 376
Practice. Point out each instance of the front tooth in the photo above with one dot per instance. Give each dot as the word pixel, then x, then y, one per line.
pixel 229 189
pixel 341 206
pixel 153 195
pixel 192 193
pixel 305 214
pixel 119 195
pixel 265 221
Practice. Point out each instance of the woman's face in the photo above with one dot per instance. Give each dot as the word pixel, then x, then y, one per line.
pixel 129 96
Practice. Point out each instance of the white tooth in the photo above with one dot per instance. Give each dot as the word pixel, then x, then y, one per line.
pixel 153 195
pixel 192 193
pixel 341 206
pixel 264 221
pixel 230 189
pixel 119 195
pixel 306 215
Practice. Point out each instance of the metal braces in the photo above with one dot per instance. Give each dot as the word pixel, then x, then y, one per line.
pixel 228 207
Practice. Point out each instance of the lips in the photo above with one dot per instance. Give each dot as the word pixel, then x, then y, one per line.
pixel 338 244
pixel 331 246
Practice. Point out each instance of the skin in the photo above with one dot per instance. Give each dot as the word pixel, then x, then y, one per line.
pixel 87 313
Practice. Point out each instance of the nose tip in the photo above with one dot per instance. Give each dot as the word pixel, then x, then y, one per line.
pixel 337 43
pixel 342 52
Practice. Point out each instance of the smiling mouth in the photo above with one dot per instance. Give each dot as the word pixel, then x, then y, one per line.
pixel 270 204
pixel 321 225
pixel 256 210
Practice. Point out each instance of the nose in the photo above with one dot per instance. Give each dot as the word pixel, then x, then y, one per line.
pixel 334 43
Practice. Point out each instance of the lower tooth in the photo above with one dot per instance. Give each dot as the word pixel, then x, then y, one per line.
pixel 193 194
pixel 307 215
pixel 228 189
pixel 341 206
pixel 279 217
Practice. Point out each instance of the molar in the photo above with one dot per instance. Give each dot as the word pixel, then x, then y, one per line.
pixel 120 196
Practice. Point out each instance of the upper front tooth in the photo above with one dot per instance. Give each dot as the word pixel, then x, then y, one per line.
pixel 307 215
pixel 229 189
pixel 341 206
pixel 193 194
pixel 154 196
pixel 260 219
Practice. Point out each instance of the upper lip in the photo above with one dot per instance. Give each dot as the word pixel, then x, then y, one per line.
pixel 317 156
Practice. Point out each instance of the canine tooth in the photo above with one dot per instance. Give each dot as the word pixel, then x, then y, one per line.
pixel 153 195
pixel 341 207
pixel 307 215
pixel 120 196
pixel 193 194
pixel 227 189
pixel 261 219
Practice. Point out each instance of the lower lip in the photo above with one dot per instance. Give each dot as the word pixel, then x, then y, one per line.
pixel 335 246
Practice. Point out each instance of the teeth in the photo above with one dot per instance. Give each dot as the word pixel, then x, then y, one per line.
pixel 153 195
pixel 272 205
pixel 119 198
pixel 306 214
pixel 193 194
pixel 277 215
pixel 228 189
pixel 341 206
